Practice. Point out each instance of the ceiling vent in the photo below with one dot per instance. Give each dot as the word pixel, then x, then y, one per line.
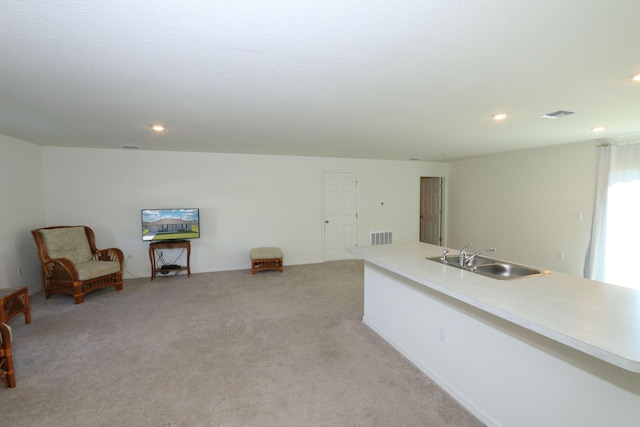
pixel 557 114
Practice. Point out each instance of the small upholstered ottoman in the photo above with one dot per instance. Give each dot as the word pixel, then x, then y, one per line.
pixel 266 259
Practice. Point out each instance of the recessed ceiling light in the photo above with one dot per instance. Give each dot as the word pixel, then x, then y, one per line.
pixel 636 78
pixel 500 116
pixel 598 128
pixel 158 128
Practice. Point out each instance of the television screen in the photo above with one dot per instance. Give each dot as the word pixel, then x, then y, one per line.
pixel 170 224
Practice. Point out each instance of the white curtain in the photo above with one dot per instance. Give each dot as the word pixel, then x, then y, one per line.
pixel 615 233
pixel 594 265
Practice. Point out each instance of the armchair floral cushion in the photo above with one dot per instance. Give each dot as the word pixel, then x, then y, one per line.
pixel 69 242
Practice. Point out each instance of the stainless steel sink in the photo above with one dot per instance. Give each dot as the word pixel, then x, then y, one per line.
pixel 454 261
pixel 506 271
pixel 496 269
pixel 479 260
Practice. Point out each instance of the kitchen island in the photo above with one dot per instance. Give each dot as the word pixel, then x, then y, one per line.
pixel 545 350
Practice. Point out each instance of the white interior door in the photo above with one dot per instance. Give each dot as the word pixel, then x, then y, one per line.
pixel 340 214
pixel 431 210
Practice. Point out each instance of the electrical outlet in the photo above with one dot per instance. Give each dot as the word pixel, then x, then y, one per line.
pixel 442 334
pixel 19 271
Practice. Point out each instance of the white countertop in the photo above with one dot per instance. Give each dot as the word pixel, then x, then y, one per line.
pixel 593 317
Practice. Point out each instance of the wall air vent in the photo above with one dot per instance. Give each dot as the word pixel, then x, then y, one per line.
pixel 381 237
pixel 129 146
pixel 557 114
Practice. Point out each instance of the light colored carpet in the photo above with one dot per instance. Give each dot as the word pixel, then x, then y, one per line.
pixel 218 349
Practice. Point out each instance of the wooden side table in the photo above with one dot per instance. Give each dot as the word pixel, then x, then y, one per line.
pixel 155 246
pixel 14 301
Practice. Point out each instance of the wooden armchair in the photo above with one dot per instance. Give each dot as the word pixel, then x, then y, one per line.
pixel 6 360
pixel 72 265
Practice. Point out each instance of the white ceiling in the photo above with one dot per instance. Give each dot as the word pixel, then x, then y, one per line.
pixel 351 78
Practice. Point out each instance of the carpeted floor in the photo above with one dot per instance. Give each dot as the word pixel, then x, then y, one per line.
pixel 218 349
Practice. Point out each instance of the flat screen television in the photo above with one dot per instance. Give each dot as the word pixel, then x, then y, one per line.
pixel 164 225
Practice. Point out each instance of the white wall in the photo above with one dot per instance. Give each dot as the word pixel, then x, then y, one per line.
pixel 245 201
pixel 526 204
pixel 22 196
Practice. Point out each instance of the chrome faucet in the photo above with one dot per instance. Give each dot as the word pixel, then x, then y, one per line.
pixel 463 255
pixel 444 256
pixel 472 256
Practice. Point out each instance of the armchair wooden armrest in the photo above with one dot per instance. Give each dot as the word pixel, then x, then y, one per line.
pixel 110 254
pixel 7 375
pixel 61 268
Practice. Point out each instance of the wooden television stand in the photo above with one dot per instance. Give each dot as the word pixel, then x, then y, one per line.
pixel 154 247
